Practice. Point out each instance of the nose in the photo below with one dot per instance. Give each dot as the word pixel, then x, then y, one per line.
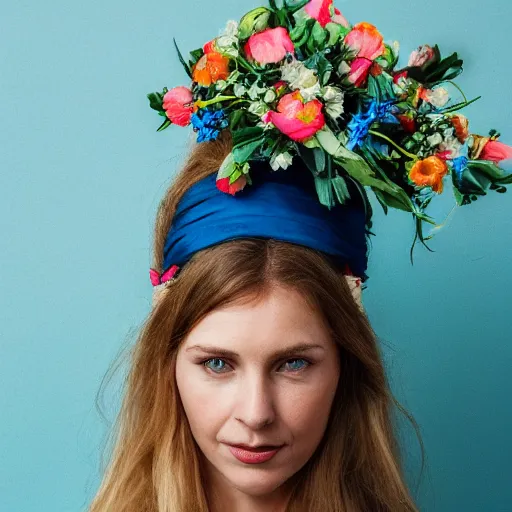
pixel 255 402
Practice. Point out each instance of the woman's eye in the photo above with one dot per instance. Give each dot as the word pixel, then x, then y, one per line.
pixel 216 366
pixel 296 365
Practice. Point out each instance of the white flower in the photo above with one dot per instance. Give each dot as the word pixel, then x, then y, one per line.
pixel 221 85
pixel 344 68
pixel 299 76
pixel 281 161
pixel 227 42
pixel 255 91
pixel 333 98
pixel 258 107
pixel 270 96
pixel 311 92
pixel 435 140
pixel 239 90
pixel 437 97
pixel 453 146
pixel 231 29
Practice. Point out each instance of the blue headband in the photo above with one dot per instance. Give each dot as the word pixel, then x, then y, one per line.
pixel 282 205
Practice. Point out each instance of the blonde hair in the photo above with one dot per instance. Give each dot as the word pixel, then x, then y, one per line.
pixel 155 465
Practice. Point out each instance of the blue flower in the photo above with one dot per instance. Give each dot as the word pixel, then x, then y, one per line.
pixel 360 123
pixel 459 165
pixel 209 124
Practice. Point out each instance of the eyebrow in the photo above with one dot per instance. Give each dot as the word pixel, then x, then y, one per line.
pixel 288 351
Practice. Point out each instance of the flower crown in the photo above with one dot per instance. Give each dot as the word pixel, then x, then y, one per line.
pixel 296 79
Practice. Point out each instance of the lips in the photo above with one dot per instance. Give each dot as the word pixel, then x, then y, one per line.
pixel 254 455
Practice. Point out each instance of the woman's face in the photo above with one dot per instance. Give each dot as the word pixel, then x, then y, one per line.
pixel 258 374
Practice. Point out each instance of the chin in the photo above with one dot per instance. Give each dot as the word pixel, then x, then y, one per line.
pixel 256 482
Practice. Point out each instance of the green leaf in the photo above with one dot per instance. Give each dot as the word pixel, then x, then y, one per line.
pixel 295 5
pixel 156 101
pixel 182 60
pixel 324 191
pixel 245 135
pixel 319 34
pixel 298 31
pixel 491 170
pixel 241 154
pixel 227 167
pixel 314 158
pixel 335 31
pixel 235 118
pixel 380 197
pixel 164 125
pixel 235 176
pixel 319 62
pixel 340 188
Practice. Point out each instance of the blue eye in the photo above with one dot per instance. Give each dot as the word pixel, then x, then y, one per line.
pixel 295 367
pixel 215 368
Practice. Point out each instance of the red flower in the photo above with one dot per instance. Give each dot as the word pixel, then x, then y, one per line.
pixel 224 186
pixel 496 151
pixel 320 10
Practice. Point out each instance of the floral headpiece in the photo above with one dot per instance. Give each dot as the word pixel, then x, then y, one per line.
pixel 296 79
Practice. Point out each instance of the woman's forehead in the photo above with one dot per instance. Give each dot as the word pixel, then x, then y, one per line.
pixel 278 321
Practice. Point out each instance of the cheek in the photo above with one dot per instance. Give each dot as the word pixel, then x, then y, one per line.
pixel 202 403
pixel 306 410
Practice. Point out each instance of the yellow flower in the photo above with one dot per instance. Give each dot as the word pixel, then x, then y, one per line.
pixel 429 173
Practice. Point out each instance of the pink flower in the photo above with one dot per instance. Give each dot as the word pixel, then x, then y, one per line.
pixel 339 18
pixel 359 70
pixel 320 11
pixel 366 40
pixel 421 56
pixel 178 105
pixel 269 46
pixel 224 186
pixel 496 151
pixel 297 119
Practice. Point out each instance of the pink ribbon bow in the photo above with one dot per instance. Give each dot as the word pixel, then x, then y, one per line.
pixel 157 278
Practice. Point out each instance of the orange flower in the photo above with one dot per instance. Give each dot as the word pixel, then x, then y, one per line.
pixel 429 173
pixel 460 123
pixel 210 68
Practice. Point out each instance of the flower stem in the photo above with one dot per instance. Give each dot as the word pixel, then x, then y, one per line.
pixel 402 150
pixel 460 90
pixel 218 99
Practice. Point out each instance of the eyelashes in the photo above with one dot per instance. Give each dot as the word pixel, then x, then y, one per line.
pixel 216 369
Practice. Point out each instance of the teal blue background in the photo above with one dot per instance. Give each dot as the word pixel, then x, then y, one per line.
pixel 81 172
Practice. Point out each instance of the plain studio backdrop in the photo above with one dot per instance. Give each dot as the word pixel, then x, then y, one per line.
pixel 81 172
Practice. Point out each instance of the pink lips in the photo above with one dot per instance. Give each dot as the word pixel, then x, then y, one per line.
pixel 249 456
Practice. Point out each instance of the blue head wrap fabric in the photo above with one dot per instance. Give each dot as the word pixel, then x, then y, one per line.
pixel 282 205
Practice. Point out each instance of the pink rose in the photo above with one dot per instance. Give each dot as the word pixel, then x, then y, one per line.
pixel 269 46
pixel 296 119
pixel 178 105
pixel 421 56
pixel 320 11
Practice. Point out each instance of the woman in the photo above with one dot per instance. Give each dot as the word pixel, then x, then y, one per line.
pixel 260 343
pixel 257 383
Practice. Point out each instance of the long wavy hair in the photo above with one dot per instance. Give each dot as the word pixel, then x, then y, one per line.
pixel 153 463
